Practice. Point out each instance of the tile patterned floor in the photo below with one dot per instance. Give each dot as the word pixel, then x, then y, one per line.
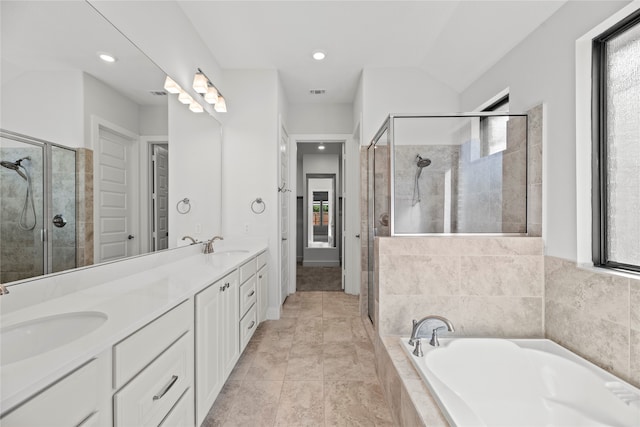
pixel 313 367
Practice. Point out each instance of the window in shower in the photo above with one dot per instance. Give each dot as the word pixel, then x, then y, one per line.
pixel 493 130
pixel 616 142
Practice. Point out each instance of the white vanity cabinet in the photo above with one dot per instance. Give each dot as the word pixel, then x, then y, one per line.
pixel 217 349
pixel 248 298
pixel 262 285
pixel 153 371
pixel 81 398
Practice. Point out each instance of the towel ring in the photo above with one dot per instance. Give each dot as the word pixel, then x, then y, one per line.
pixel 257 210
pixel 183 206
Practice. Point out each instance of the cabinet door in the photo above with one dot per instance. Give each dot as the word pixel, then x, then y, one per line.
pixel 230 318
pixel 209 376
pixel 263 296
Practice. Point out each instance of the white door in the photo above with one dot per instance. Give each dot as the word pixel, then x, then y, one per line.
pixel 116 207
pixel 284 213
pixel 160 197
pixel 343 217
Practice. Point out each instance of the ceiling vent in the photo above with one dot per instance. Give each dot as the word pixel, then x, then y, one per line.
pixel 317 91
pixel 158 92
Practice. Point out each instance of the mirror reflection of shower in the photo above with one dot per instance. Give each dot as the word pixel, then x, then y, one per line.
pixel 24 223
pixel 421 163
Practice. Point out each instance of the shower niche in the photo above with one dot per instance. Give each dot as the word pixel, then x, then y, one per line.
pixel 38 209
pixel 449 174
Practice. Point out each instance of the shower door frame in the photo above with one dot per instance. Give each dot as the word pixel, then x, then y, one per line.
pixel 47 195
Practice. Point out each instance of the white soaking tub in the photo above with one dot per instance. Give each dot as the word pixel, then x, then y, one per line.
pixel 524 382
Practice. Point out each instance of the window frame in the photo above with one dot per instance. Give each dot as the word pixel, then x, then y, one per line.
pixel 599 144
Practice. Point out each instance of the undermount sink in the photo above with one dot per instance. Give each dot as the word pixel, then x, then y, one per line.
pixel 37 336
pixel 231 252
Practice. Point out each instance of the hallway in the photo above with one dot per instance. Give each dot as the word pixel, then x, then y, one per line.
pixel 313 367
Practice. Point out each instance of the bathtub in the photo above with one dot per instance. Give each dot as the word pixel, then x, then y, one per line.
pixel 500 382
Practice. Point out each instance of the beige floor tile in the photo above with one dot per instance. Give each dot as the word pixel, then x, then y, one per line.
pixel 301 404
pixel 256 404
pixel 220 409
pixel 267 366
pixel 355 403
pixel 305 368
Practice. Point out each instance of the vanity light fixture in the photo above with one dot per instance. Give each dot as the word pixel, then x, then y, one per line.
pixel 212 95
pixel 185 98
pixel 321 147
pixel 221 105
pixel 195 107
pixel 200 83
pixel 171 86
pixel 319 55
pixel 107 57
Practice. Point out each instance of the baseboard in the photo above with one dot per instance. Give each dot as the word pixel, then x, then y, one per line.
pixel 320 263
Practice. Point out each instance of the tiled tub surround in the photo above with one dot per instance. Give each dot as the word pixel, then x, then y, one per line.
pixel 131 293
pixel 595 315
pixel 487 286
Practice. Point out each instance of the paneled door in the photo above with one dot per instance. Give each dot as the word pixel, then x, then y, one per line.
pixel 284 213
pixel 160 198
pixel 115 205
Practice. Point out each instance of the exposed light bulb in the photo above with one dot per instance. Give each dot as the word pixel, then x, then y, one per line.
pixel 171 86
pixel 321 147
pixel 185 98
pixel 221 105
pixel 211 96
pixel 200 83
pixel 195 107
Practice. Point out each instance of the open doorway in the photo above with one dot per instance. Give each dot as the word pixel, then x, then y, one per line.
pixel 319 216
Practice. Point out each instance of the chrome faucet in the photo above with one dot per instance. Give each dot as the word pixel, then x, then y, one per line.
pixel 426 326
pixel 193 241
pixel 3 289
pixel 208 247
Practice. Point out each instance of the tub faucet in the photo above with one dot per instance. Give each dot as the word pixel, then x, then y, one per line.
pixel 193 241
pixel 208 247
pixel 429 325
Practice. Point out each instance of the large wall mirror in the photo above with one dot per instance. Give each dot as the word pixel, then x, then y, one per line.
pixel 85 147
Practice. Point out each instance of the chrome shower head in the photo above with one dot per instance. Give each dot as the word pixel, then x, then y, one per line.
pixel 15 166
pixel 422 162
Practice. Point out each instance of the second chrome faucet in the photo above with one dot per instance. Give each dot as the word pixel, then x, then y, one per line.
pixel 425 327
pixel 208 246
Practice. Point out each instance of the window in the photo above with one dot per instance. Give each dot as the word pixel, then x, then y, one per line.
pixel 493 130
pixel 616 146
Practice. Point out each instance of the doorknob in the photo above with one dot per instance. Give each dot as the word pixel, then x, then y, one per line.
pixel 357 236
pixel 284 239
pixel 130 236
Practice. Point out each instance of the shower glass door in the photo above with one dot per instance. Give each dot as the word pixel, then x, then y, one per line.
pixel 22 252
pixel 37 207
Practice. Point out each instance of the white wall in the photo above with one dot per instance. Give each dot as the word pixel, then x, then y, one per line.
pixel 195 172
pixel 250 162
pixel 541 69
pixel 320 118
pixel 401 90
pixel 38 110
pixel 154 120
pixel 102 101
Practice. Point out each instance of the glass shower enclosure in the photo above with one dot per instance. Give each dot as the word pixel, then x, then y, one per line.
pixel 37 207
pixel 445 175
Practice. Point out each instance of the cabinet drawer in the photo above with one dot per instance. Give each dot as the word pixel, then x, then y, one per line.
pixel 182 413
pixel 136 351
pixel 248 295
pixel 149 397
pixel 70 401
pixel 261 260
pixel 247 270
pixel 248 326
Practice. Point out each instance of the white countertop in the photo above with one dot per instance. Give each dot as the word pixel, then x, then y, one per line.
pixel 129 302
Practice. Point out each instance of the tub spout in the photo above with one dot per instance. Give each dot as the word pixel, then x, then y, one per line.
pixel 429 325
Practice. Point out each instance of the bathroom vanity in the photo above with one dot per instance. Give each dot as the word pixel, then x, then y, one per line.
pixel 148 348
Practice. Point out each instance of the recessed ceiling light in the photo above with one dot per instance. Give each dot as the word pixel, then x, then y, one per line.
pixel 321 147
pixel 107 57
pixel 319 55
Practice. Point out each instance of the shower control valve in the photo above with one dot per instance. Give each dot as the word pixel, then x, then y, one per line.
pixel 59 221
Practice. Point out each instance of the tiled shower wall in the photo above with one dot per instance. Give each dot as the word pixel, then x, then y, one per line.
pixel 595 315
pixel 84 191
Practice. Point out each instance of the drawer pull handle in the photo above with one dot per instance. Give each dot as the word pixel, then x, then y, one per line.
pixel 166 388
pixel 251 294
pixel 253 323
pixel 227 285
pixel 222 288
